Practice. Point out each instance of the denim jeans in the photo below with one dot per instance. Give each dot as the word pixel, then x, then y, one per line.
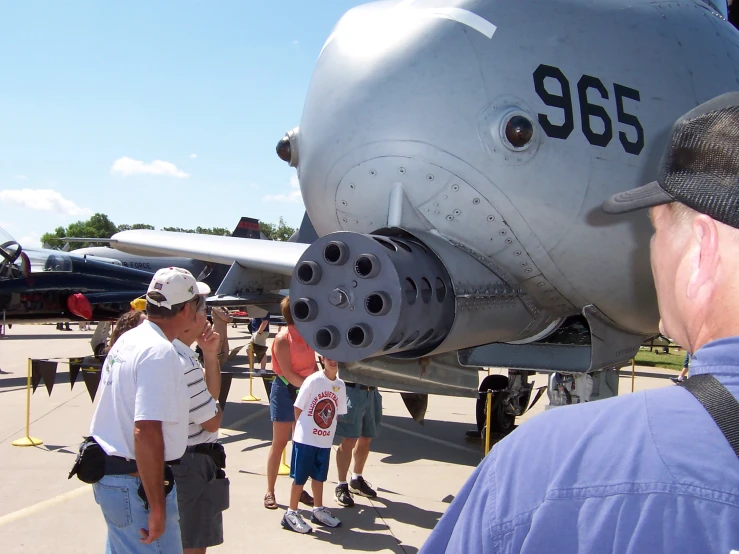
pixel 117 496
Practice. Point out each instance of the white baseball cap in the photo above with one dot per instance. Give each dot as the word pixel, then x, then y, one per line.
pixel 177 285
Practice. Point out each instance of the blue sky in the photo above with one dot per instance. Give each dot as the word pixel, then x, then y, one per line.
pixel 165 113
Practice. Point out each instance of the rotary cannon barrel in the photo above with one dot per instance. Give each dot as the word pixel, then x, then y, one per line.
pixel 354 296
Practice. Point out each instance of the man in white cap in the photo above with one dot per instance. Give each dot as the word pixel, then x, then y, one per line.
pixel 141 419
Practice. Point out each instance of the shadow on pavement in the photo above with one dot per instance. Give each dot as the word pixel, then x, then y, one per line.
pixel 403 512
pixel 398 446
pixel 353 540
pixel 363 528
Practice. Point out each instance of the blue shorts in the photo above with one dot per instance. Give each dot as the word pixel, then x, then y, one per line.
pixel 364 415
pixel 309 461
pixel 281 402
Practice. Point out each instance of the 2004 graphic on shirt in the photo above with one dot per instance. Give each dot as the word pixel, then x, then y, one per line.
pixel 320 400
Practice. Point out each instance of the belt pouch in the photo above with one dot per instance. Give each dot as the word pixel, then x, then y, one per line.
pixel 89 466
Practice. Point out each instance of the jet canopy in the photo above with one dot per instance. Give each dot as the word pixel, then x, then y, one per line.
pixel 16 262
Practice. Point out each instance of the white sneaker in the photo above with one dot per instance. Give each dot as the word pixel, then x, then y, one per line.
pixel 294 522
pixel 323 516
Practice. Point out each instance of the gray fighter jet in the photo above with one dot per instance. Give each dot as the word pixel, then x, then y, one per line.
pixel 453 157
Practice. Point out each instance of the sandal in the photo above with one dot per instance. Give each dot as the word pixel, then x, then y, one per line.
pixel 269 501
pixel 306 498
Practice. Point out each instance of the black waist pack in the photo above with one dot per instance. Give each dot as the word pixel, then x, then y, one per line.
pixel 218 453
pixel 168 486
pixel 90 463
pixel 213 449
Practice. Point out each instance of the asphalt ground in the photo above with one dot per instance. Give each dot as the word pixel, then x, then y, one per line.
pixel 416 469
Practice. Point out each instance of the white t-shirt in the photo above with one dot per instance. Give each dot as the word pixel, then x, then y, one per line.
pixel 321 401
pixel 202 405
pixel 142 380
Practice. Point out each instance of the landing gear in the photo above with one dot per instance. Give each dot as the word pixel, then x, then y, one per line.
pixel 501 421
pixel 509 398
pixel 99 350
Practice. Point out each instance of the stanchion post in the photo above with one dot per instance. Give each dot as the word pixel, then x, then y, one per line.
pixel 488 409
pixel 28 440
pixel 250 397
pixel 284 468
pixel 633 373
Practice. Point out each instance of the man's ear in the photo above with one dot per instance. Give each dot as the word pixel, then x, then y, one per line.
pixel 705 265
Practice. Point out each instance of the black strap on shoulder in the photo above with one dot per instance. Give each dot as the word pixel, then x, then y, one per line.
pixel 719 403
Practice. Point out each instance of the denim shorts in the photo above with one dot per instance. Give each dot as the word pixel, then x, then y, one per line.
pixel 124 513
pixel 309 461
pixel 281 402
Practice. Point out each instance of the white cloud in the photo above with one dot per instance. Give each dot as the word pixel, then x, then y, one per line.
pixel 20 177
pixel 44 200
pixel 293 196
pixel 128 166
pixel 193 156
pixel 295 42
pixel 31 240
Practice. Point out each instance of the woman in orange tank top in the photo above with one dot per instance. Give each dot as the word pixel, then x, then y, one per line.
pixel 292 360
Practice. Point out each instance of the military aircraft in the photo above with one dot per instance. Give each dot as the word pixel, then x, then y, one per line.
pixel 39 285
pixel 247 227
pixel 453 157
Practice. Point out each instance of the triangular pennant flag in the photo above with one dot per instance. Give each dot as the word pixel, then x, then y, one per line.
pixel 48 374
pixel 92 380
pixel 74 370
pixel 226 379
pixel 35 374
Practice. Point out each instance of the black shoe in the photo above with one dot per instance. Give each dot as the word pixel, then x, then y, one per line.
pixel 343 496
pixel 675 380
pixel 473 434
pixel 361 487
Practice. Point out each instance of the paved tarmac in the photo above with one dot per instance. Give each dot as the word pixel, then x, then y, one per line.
pixel 416 469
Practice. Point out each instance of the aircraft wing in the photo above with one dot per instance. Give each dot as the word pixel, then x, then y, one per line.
pixel 267 255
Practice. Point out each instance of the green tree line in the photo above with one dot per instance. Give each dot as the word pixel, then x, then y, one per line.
pixel 100 226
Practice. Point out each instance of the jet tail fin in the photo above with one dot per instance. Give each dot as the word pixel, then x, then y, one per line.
pixel 307 233
pixel 247 228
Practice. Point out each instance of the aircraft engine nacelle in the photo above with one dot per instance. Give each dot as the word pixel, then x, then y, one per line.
pixel 355 296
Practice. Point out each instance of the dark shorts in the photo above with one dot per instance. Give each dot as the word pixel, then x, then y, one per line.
pixel 281 401
pixel 259 351
pixel 309 461
pixel 201 499
pixel 364 415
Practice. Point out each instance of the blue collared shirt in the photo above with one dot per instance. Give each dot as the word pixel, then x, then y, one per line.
pixel 643 472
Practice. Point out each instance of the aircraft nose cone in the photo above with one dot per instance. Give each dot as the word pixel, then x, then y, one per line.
pixel 284 150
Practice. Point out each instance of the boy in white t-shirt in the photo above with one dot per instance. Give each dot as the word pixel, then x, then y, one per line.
pixel 321 399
